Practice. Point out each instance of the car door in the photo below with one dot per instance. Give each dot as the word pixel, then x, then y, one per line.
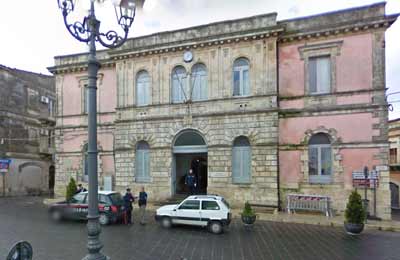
pixel 188 213
pixel 76 207
pixel 209 210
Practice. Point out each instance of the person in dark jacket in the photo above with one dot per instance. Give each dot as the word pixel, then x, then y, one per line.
pixel 80 188
pixel 128 200
pixel 190 181
pixel 142 205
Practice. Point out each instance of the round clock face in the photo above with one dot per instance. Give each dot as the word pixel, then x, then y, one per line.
pixel 187 56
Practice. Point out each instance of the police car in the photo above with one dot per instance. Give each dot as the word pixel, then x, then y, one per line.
pixel 111 207
pixel 210 211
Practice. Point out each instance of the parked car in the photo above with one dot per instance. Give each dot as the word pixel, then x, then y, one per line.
pixel 111 207
pixel 210 211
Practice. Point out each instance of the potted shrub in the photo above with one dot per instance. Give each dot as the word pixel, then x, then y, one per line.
pixel 248 215
pixel 355 214
pixel 71 189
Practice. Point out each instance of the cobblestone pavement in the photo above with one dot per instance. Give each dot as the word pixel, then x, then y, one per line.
pixel 26 219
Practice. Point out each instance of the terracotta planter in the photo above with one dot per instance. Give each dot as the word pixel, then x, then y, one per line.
pixel 249 220
pixel 353 229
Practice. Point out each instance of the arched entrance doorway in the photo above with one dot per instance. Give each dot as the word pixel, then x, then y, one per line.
pixel 189 152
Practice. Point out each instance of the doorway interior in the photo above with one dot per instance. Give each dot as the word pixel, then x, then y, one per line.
pixel 198 163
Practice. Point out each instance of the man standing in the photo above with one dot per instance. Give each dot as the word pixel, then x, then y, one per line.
pixel 128 200
pixel 190 181
pixel 142 205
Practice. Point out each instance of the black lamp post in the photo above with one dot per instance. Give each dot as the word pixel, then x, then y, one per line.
pixel 89 31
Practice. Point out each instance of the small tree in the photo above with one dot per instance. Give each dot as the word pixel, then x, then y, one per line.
pixel 71 189
pixel 355 212
pixel 247 211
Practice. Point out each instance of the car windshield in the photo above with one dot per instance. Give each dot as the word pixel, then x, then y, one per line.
pixel 116 199
pixel 225 202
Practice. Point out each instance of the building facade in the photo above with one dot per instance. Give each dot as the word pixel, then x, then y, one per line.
pixel 27 115
pixel 394 162
pixel 258 108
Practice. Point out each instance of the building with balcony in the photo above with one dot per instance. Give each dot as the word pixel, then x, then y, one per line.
pixel 27 118
pixel 257 107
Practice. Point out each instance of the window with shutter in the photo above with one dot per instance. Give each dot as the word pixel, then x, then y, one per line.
pixel 199 82
pixel 179 85
pixel 241 160
pixel 241 79
pixel 320 159
pixel 319 69
pixel 142 166
pixel 142 88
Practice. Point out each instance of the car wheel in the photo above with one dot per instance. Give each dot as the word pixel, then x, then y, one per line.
pixel 56 215
pixel 166 222
pixel 215 227
pixel 104 219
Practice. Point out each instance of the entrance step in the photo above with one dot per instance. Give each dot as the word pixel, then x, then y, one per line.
pixel 176 199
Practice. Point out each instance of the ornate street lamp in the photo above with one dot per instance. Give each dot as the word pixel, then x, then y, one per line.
pixel 89 31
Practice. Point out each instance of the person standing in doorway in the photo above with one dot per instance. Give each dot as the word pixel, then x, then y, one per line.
pixel 142 205
pixel 128 200
pixel 190 182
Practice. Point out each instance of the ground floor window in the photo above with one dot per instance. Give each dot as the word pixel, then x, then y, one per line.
pixel 241 160
pixel 320 159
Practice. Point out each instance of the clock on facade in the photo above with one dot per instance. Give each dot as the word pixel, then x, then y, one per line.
pixel 187 56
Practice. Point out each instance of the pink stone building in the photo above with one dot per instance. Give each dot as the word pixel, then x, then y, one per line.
pixel 265 108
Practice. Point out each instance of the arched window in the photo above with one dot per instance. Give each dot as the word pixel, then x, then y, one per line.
pixel 199 82
pixel 241 80
pixel 142 162
pixel 179 85
pixel 320 159
pixel 142 88
pixel 85 166
pixel 241 160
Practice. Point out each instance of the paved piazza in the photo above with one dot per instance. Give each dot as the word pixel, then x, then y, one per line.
pixel 26 219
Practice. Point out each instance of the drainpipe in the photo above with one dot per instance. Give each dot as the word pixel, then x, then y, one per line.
pixel 277 105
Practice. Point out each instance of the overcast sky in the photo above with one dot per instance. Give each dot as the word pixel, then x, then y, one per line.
pixel 33 32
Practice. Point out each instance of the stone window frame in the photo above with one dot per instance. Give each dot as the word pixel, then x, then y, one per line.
pixel 337 167
pixel 83 82
pixel 330 49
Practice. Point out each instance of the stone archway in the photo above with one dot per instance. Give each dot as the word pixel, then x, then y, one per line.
pixel 189 152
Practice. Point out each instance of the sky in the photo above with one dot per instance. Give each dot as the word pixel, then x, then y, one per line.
pixel 33 32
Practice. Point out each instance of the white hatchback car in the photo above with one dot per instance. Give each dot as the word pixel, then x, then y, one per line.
pixel 210 211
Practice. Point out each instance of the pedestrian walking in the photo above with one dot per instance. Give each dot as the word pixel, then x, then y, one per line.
pixel 128 200
pixel 142 205
pixel 190 182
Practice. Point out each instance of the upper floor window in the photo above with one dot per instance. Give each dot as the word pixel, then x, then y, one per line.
pixel 142 88
pixel 142 162
pixel 199 82
pixel 241 80
pixel 241 160
pixel 319 74
pixel 320 159
pixel 179 84
pixel 393 156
